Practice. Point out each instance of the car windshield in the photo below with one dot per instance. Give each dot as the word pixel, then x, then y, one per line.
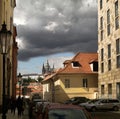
pixel 67 114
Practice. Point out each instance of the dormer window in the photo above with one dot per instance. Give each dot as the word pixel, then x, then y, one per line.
pixel 94 66
pixel 76 64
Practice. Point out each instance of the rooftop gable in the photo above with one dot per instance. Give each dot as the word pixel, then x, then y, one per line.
pixel 83 60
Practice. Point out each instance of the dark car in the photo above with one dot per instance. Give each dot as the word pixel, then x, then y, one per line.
pixel 63 111
pixel 76 100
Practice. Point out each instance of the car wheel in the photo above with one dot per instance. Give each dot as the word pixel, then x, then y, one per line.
pixel 93 109
pixel 115 108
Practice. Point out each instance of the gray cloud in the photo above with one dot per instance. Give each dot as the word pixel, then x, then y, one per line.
pixel 56 26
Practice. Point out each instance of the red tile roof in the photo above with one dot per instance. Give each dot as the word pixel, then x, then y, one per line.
pixel 84 60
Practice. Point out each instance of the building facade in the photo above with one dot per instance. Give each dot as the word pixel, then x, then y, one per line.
pixel 109 48
pixel 6 16
pixel 78 78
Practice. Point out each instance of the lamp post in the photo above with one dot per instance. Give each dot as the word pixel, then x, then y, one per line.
pixel 5 37
pixel 19 80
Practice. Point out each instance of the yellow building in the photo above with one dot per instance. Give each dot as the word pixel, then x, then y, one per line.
pixel 109 48
pixel 79 77
pixel 6 16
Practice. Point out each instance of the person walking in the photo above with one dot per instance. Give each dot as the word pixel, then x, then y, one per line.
pixel 13 105
pixel 23 105
pixel 19 104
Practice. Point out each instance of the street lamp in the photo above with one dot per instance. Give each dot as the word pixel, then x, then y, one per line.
pixel 19 80
pixel 5 37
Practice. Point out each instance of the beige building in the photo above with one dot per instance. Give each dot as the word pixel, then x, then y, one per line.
pixel 6 16
pixel 78 78
pixel 109 48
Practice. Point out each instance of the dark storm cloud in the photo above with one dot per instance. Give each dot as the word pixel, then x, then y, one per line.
pixel 56 26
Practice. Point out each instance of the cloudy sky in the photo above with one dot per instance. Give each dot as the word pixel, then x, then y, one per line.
pixel 54 30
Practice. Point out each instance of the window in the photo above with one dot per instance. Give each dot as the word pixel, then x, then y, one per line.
pixel 117 22
pixel 95 66
pixel 101 28
pixel 118 89
pixel 109 51
pixel 102 89
pixel 108 22
pixel 109 57
pixel 85 83
pixel 118 52
pixel 116 15
pixel 116 8
pixel 101 23
pixel 118 46
pixel 67 83
pixel 108 16
pixel 76 64
pixel 102 67
pixel 102 54
pixel 108 29
pixel 109 64
pixel 118 61
pixel 102 58
pixel 101 35
pixel 109 89
pixel 101 4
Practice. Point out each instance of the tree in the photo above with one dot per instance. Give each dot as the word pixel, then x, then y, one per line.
pixel 39 79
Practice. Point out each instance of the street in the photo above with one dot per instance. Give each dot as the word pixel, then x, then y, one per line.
pixel 10 115
pixel 106 114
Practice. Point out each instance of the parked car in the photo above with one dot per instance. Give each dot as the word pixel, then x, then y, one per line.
pixel 76 100
pixel 63 111
pixel 102 104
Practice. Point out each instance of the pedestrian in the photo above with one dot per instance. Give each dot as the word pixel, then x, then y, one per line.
pixel 30 109
pixel 19 104
pixel 23 105
pixel 13 105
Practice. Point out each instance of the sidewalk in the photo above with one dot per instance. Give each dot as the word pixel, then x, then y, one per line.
pixel 12 116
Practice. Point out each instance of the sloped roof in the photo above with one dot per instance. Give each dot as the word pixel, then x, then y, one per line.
pixel 84 60
pixel 49 76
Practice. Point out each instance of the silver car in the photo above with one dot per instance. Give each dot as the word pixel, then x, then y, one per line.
pixel 102 104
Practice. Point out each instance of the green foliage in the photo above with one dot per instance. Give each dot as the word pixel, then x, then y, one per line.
pixel 39 79
pixel 27 81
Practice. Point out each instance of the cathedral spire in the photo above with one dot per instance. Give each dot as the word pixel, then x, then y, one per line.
pixel 43 69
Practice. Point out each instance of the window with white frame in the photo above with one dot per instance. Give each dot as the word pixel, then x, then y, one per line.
pixel 75 64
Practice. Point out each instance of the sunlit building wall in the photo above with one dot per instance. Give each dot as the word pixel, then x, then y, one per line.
pixel 109 48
